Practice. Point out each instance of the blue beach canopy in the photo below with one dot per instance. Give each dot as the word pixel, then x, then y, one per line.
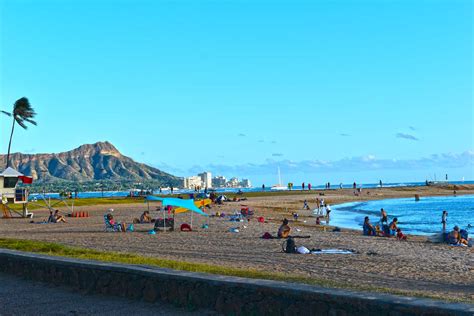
pixel 189 204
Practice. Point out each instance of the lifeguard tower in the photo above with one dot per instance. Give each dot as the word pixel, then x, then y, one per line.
pixel 10 194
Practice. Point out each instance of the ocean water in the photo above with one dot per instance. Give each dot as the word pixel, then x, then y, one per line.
pixel 420 218
pixel 96 194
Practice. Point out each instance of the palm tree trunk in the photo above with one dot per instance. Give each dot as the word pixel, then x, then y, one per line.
pixel 10 143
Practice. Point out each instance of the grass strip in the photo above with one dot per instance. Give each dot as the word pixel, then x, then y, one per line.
pixel 54 249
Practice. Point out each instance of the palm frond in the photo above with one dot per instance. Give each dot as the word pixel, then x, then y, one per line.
pixel 19 120
pixel 6 113
pixel 23 112
pixel 31 121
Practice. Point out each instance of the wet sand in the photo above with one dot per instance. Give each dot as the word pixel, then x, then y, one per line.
pixel 413 266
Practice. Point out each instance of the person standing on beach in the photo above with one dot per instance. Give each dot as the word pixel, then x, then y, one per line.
pixel 263 187
pixel 354 185
pixel 340 185
pixel 309 186
pixel 328 211
pixel 383 216
pixel 444 219
pixel 302 186
pixel 306 206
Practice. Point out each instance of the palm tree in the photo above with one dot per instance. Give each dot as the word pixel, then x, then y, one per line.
pixel 22 113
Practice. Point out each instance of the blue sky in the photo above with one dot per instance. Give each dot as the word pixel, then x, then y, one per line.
pixel 327 90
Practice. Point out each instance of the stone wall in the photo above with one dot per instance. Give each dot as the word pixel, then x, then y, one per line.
pixel 227 295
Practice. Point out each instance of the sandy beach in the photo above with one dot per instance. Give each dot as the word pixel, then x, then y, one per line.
pixel 414 266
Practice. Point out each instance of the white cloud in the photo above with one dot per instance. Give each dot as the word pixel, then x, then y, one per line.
pixel 406 136
pixel 368 162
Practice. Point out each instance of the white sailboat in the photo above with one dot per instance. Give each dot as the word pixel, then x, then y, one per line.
pixel 279 186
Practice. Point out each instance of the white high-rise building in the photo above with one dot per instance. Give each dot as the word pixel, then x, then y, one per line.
pixel 233 183
pixel 246 183
pixel 192 182
pixel 206 179
pixel 219 182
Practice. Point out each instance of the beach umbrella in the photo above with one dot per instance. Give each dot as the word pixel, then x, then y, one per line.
pixel 179 203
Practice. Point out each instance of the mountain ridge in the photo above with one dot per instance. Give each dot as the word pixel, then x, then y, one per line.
pixel 98 161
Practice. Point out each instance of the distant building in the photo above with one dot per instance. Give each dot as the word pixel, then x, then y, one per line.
pixel 206 179
pixel 233 183
pixel 219 182
pixel 192 182
pixel 245 183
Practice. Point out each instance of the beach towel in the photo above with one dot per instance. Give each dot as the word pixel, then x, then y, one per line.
pixel 332 251
pixel 302 250
pixel 267 235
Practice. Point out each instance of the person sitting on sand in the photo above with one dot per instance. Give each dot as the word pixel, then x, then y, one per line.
pixel 454 237
pixel 118 226
pixel 284 230
pixel 51 218
pixel 369 229
pixel 59 218
pixel 400 235
pixel 295 216
pixel 145 217
pixel 393 226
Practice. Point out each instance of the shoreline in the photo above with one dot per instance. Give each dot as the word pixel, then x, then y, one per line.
pixel 351 207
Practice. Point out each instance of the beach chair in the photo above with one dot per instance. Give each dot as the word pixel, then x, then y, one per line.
pixel 109 227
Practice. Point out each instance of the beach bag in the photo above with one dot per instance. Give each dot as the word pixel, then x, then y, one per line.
pixel 261 219
pixel 464 234
pixel 130 228
pixel 289 246
pixel 267 235
pixel 185 227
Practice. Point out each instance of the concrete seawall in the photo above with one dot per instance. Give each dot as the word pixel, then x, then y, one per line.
pixel 227 295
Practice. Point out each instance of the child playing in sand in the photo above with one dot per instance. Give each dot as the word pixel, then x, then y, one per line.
pixel 400 235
